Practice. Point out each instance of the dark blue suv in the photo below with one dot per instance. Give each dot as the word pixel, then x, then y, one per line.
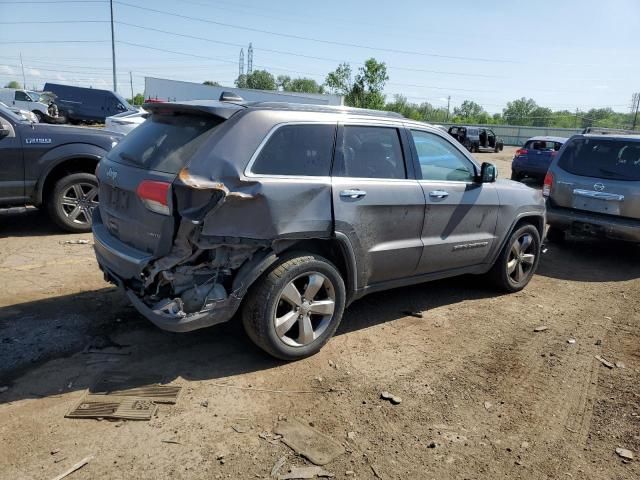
pixel 534 158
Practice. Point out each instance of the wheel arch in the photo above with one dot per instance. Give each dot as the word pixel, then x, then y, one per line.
pixel 81 163
pixel 537 219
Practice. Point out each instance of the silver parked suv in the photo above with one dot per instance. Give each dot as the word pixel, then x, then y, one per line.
pixel 593 188
pixel 290 212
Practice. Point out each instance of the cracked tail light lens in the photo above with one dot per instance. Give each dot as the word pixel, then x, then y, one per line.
pixel 155 195
pixel 548 183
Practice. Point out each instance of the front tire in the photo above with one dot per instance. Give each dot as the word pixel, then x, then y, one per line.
pixel 294 308
pixel 72 201
pixel 518 260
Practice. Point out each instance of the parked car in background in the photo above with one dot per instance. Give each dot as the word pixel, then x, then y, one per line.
pixel 126 121
pixel 289 212
pixel 593 188
pixel 535 156
pixel 87 105
pixel 24 100
pixel 24 114
pixel 477 139
pixel 52 167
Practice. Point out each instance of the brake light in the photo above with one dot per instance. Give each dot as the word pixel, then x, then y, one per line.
pixel 548 183
pixel 155 195
pixel 521 151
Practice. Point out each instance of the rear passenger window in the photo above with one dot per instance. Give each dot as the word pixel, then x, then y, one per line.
pixel 297 150
pixel 370 152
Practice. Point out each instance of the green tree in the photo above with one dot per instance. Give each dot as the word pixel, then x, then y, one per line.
pixel 258 80
pixel 365 90
pixel 519 111
pixel 302 85
pixel 541 117
pixel 13 84
pixel 339 81
pixel 471 112
pixel 211 83
pixel 137 100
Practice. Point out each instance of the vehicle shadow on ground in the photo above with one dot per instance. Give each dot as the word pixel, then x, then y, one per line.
pixel 591 260
pixel 26 222
pixel 74 339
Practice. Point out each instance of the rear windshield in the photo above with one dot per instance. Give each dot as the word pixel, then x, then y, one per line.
pixel 613 159
pixel 164 142
pixel 543 145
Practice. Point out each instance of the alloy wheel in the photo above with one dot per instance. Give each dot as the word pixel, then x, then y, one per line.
pixel 522 258
pixel 78 202
pixel 304 309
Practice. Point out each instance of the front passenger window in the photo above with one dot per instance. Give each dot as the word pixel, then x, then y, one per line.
pixel 440 160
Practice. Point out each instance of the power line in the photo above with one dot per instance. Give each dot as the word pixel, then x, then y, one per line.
pixel 313 57
pixel 318 40
pixel 52 41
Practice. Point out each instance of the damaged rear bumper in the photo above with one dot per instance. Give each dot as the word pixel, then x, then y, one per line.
pixel 123 265
pixel 165 319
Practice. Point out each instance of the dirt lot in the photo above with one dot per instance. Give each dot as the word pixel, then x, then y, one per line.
pixel 483 395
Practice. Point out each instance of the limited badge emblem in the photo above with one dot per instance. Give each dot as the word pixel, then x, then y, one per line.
pixel 598 187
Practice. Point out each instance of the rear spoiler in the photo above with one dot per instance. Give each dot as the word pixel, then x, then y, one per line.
pixel 198 107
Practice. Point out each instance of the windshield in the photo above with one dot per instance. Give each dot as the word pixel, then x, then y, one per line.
pixel 612 159
pixel 123 101
pixel 35 96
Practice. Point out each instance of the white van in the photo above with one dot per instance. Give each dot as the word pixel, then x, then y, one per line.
pixel 24 100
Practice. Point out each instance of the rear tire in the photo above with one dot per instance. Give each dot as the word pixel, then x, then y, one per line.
pixel 72 201
pixel 518 260
pixel 556 235
pixel 280 320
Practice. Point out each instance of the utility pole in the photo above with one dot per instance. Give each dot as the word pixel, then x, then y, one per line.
pixel 448 106
pixel 113 49
pixel 635 105
pixel 131 81
pixel 24 79
pixel 241 63
pixel 575 121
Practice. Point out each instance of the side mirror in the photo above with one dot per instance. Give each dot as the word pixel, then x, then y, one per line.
pixel 488 173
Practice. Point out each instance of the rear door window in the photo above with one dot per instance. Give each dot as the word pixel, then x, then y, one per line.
pixel 370 152
pixel 164 142
pixel 612 159
pixel 300 150
pixel 21 96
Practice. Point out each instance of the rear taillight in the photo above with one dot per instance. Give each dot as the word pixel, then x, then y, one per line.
pixel 521 151
pixel 548 183
pixel 155 195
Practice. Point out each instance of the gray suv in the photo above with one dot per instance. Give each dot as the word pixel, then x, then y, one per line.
pixel 290 212
pixel 593 188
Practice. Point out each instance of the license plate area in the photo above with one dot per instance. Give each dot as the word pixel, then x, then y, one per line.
pixel 609 207
pixel 118 199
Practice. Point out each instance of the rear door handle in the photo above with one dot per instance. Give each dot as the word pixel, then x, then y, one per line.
pixel 438 194
pixel 354 193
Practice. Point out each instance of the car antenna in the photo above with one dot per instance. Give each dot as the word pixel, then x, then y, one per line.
pixel 230 97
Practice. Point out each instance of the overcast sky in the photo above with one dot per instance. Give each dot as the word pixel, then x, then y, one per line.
pixel 562 53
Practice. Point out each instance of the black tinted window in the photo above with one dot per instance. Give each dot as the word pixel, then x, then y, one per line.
pixel 613 159
pixel 297 150
pixel 164 142
pixel 22 96
pixel 370 152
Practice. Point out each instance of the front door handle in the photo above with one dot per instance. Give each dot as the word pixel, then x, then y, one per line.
pixel 354 193
pixel 438 194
